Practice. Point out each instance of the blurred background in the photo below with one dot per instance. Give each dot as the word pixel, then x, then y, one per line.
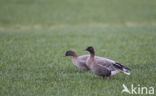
pixel 61 12
pixel 35 34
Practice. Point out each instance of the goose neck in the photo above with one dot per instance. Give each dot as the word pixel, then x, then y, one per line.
pixel 91 57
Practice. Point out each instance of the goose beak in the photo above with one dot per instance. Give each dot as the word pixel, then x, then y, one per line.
pixel 84 49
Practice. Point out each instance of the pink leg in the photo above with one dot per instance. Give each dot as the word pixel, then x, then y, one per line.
pixel 107 78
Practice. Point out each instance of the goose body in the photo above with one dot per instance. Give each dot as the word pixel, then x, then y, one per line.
pixel 95 66
pixel 106 63
pixel 78 61
pixel 114 66
pixel 98 69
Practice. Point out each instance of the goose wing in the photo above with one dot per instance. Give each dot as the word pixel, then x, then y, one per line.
pixel 101 70
pixel 111 64
pixel 106 63
pixel 82 61
pixel 83 57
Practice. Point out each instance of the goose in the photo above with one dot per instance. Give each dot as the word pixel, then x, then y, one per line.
pixel 112 65
pixel 79 61
pixel 96 66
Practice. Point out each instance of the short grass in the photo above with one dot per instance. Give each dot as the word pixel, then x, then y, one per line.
pixel 34 36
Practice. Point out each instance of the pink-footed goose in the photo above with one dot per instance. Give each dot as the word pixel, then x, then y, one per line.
pixel 112 65
pixel 96 66
pixel 79 61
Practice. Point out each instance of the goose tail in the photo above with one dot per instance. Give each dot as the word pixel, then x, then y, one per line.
pixel 126 72
pixel 123 68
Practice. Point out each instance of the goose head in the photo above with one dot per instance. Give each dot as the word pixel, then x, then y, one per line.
pixel 70 53
pixel 90 49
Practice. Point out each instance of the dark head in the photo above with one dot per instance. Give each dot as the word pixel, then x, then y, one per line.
pixel 70 53
pixel 90 49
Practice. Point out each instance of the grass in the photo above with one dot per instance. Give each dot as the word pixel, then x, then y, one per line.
pixel 34 36
pixel 52 12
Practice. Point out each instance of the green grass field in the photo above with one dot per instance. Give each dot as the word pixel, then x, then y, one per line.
pixel 34 35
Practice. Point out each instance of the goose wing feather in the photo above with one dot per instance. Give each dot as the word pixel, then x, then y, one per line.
pixel 101 70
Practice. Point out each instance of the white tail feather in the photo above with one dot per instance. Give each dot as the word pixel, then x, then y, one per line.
pixel 127 73
pixel 115 72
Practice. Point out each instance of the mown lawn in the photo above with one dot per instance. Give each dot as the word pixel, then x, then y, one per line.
pixel 34 35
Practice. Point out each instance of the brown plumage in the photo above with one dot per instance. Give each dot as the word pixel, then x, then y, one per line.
pixel 111 65
pixel 95 66
pixel 79 61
